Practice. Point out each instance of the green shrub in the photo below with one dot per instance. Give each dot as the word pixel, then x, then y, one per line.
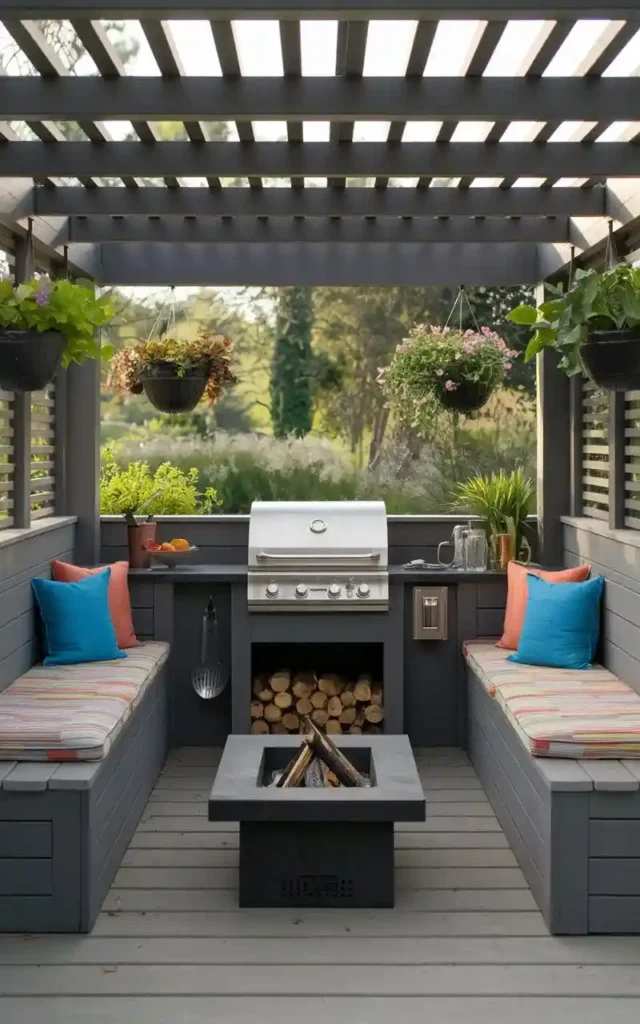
pixel 167 491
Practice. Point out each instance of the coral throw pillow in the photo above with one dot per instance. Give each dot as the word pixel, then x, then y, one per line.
pixel 517 595
pixel 118 595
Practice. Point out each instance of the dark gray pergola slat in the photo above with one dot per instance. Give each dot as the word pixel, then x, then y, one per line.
pixel 350 53
pixel 490 10
pixel 335 263
pixel 338 99
pixel 320 230
pixel 478 65
pixel 230 66
pixel 292 67
pixel 322 159
pixel 286 202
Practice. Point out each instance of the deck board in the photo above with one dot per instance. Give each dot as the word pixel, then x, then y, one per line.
pixel 464 942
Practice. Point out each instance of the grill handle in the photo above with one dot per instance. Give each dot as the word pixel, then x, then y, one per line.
pixel 368 556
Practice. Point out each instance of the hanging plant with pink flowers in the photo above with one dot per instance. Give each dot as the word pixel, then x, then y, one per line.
pixel 456 369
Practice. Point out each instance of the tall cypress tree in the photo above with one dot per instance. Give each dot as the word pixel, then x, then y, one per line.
pixel 291 366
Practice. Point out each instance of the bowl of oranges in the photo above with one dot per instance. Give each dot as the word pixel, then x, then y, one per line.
pixel 172 553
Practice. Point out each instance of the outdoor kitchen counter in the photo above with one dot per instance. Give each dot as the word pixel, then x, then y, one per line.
pixel 238 573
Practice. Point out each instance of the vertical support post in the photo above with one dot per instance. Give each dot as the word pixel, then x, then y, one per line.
pixel 575 404
pixel 60 443
pixel 616 460
pixel 24 269
pixel 83 457
pixel 553 436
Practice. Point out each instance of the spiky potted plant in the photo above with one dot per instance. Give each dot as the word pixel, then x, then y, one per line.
pixel 45 324
pixel 502 501
pixel 174 373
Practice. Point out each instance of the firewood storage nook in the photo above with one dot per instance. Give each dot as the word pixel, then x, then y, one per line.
pixel 316 847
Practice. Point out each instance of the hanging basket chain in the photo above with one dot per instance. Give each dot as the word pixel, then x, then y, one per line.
pixel 611 252
pixel 459 300
pixel 169 305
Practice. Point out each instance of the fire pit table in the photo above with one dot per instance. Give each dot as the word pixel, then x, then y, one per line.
pixel 305 847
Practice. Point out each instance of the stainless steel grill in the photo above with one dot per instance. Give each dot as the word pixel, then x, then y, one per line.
pixel 318 556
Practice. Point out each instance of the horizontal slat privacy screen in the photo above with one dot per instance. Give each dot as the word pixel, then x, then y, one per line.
pixel 632 460
pixel 595 451
pixel 43 452
pixel 6 460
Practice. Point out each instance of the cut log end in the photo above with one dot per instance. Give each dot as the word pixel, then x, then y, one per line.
pixel 260 727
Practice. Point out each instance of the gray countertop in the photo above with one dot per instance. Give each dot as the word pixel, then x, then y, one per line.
pixel 238 573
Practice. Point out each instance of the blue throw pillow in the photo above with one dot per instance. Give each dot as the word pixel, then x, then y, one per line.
pixel 561 624
pixel 77 623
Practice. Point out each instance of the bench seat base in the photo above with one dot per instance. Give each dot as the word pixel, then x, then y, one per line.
pixel 64 828
pixel 574 826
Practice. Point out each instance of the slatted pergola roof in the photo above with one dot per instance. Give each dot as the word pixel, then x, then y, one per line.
pixel 420 143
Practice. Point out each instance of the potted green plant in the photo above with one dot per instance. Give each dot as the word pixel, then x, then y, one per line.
pixel 503 502
pixel 173 372
pixel 458 369
pixel 44 324
pixel 594 325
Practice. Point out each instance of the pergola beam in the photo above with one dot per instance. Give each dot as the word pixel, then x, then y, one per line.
pixel 287 202
pixel 320 230
pixel 321 159
pixel 347 98
pixel 335 263
pixel 366 10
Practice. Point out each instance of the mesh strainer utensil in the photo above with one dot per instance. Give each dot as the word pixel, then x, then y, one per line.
pixel 210 678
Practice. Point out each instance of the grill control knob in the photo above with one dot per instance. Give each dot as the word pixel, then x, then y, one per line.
pixel 272 589
pixel 363 590
pixel 301 590
pixel 334 590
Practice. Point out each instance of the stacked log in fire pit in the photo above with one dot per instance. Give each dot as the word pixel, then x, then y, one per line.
pixel 319 763
pixel 334 704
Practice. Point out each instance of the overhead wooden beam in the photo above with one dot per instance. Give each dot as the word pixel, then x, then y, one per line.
pixel 335 263
pixel 316 98
pixel 352 9
pixel 287 202
pixel 279 229
pixel 321 159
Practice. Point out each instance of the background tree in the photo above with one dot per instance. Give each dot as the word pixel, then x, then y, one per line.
pixel 292 365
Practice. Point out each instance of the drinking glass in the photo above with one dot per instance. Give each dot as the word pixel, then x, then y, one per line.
pixel 477 550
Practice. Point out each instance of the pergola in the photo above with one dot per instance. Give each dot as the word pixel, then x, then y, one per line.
pixel 555 153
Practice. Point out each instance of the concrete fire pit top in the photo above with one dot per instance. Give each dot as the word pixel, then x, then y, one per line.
pixel 239 793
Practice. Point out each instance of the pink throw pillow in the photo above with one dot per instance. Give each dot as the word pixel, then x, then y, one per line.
pixel 517 596
pixel 118 595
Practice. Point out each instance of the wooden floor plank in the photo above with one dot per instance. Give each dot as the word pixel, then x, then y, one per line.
pixel 152 822
pixel 156 840
pixel 210 858
pixel 356 980
pixel 189 1009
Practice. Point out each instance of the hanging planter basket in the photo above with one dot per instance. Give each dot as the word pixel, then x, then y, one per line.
pixel 469 396
pixel 612 359
pixel 29 360
pixel 169 392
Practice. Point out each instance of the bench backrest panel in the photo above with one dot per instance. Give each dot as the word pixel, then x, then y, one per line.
pixel 20 562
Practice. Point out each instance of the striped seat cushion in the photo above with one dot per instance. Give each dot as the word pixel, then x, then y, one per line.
pixel 561 712
pixel 75 712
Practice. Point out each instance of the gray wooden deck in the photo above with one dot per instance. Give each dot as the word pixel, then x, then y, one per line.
pixel 465 942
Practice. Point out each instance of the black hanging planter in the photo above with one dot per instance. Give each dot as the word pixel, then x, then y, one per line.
pixel 467 397
pixel 29 360
pixel 612 359
pixel 170 392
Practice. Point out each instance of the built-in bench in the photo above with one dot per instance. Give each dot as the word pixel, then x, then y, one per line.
pixel 81 777
pixel 574 824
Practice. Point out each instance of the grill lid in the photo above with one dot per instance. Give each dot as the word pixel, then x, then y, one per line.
pixel 340 534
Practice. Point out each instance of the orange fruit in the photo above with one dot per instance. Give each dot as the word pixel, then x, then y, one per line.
pixel 167 547
pixel 180 544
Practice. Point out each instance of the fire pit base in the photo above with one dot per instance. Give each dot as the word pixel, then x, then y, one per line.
pixel 316 847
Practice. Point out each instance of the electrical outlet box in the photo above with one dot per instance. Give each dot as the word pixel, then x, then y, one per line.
pixel 430 613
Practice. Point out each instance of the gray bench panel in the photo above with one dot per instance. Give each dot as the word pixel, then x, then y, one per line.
pixel 614 838
pixel 26 876
pixel 80 775
pixel 614 876
pixel 29 776
pixel 611 777
pixel 25 839
pixel 614 805
pixel 614 915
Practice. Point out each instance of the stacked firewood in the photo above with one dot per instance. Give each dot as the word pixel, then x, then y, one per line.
pixel 335 705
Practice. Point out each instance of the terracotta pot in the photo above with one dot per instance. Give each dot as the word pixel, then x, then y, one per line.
pixel 505 547
pixel 138 536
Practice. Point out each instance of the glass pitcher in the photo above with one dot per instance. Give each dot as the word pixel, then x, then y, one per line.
pixel 476 550
pixel 459 544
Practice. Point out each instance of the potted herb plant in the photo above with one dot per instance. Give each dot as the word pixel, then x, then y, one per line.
pixel 173 372
pixel 44 324
pixel 502 501
pixel 594 325
pixel 459 369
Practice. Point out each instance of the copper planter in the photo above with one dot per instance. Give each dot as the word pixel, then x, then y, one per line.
pixel 138 536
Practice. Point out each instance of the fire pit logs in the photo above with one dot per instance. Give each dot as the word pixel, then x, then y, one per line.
pixel 319 762
pixel 334 705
